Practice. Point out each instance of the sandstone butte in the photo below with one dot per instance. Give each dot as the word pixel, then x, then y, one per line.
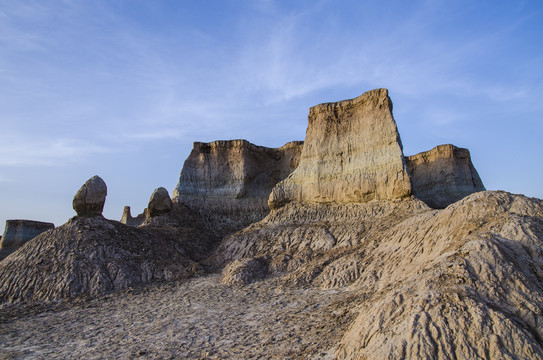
pixel 352 153
pixel 229 182
pixel 421 262
pixel 443 175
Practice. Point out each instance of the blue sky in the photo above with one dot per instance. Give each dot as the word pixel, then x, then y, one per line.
pixel 122 88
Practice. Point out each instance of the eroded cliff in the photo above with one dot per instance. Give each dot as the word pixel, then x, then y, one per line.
pixel 352 224
pixel 443 175
pixel 352 153
pixel 228 182
pixel 18 232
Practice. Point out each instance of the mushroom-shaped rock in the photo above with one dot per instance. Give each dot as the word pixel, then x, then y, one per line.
pixel 160 202
pixel 91 197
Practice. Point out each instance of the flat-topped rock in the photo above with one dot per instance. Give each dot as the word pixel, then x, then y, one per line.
pixel 352 153
pixel 229 182
pixel 18 232
pixel 91 197
pixel 443 175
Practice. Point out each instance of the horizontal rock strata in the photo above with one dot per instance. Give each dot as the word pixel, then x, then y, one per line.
pixel 443 175
pixel 352 153
pixel 18 232
pixel 228 182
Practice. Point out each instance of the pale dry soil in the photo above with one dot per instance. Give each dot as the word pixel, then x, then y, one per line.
pixel 196 319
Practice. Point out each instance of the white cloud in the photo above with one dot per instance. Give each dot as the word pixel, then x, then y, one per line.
pixel 20 150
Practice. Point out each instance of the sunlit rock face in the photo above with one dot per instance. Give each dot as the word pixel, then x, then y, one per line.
pixel 443 175
pixel 352 153
pixel 228 182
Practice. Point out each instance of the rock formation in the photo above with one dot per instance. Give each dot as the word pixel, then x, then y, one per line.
pixel 443 175
pixel 352 153
pixel 160 202
pixel 18 232
pixel 91 256
pixel 464 282
pixel 127 218
pixel 354 216
pixel 228 182
pixel 91 197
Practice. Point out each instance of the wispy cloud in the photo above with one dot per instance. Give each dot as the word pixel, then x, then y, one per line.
pixel 286 61
pixel 20 150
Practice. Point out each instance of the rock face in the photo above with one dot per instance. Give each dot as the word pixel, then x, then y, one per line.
pixel 127 218
pixel 443 175
pixel 228 182
pixel 160 202
pixel 18 232
pixel 91 197
pixel 352 153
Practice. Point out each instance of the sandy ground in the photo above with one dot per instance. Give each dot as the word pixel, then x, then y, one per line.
pixel 198 319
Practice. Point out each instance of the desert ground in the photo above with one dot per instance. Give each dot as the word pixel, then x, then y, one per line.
pixel 196 319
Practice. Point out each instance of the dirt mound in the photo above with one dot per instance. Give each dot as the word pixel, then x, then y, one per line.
pixel 244 271
pixel 463 282
pixel 91 256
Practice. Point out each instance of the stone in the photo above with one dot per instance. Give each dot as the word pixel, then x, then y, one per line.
pixel 160 202
pixel 228 182
pixel 352 153
pixel 18 232
pixel 443 175
pixel 129 220
pixel 91 197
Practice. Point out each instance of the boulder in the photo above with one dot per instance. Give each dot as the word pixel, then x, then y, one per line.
pixel 160 202
pixel 443 175
pixel 91 197
pixel 352 153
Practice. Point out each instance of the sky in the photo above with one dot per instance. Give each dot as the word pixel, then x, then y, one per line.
pixel 121 89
